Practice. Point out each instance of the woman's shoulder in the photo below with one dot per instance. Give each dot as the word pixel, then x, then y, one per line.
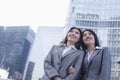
pixel 106 49
pixel 80 52
pixel 102 48
pixel 58 45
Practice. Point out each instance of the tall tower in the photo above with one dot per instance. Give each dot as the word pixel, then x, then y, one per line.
pixel 84 11
pixel 103 16
pixel 15 45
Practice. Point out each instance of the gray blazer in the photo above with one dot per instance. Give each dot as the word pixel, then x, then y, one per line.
pixel 57 65
pixel 98 67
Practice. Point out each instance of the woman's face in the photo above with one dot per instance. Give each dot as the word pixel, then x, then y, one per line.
pixel 88 38
pixel 73 36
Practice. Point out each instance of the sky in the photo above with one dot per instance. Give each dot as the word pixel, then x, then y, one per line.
pixel 33 13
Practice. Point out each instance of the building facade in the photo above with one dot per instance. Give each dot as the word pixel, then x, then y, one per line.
pixel 46 37
pixel 14 49
pixel 103 17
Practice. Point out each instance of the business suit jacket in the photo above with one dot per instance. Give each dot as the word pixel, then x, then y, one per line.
pixel 57 65
pixel 99 65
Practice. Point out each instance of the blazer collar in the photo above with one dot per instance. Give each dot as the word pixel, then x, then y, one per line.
pixel 71 51
pixel 96 48
pixel 95 52
pixel 72 46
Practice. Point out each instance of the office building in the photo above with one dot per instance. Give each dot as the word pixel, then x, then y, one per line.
pixel 103 17
pixel 15 48
pixel 46 37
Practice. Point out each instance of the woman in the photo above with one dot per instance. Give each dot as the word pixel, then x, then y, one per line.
pixel 97 60
pixel 61 57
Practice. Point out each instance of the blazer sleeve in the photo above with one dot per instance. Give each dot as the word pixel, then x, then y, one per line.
pixel 50 71
pixel 77 66
pixel 106 65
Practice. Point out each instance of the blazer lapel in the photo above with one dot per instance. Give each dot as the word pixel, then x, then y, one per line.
pixel 60 52
pixel 69 52
pixel 97 49
pixel 94 54
pixel 86 60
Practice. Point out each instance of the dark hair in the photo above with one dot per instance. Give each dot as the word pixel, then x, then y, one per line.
pixel 78 44
pixel 95 37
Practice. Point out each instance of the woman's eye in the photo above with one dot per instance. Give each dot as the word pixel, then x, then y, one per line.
pixel 76 32
pixel 84 34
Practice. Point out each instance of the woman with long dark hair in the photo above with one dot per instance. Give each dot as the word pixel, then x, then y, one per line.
pixel 62 57
pixel 97 60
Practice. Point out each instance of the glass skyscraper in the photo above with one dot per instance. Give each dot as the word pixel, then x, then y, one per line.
pixel 15 44
pixel 103 16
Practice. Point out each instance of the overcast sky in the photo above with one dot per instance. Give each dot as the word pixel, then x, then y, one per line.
pixel 33 12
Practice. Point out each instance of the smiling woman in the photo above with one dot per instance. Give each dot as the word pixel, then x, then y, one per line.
pixel 61 57
pixel 97 60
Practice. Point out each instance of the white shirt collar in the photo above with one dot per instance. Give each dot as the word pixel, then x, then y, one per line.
pixel 71 46
pixel 89 55
pixel 97 47
pixel 68 49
